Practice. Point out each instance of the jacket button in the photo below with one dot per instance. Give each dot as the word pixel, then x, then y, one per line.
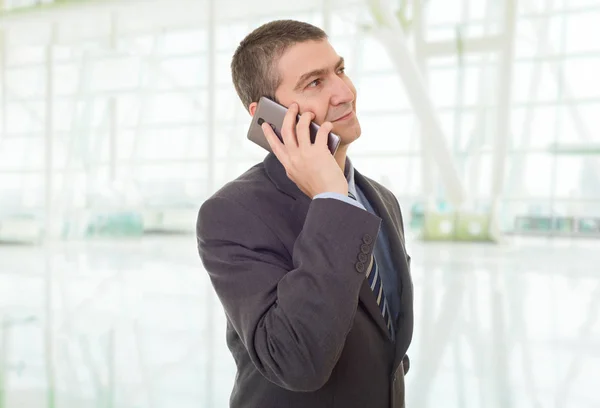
pixel 405 364
pixel 367 239
pixel 365 249
pixel 360 267
pixel 363 257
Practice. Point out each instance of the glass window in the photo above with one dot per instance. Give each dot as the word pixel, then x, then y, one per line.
pixel 176 42
pixel 381 93
pixel 374 57
pixel 229 107
pixel 179 73
pixel 25 54
pixel 24 117
pixel 231 142
pixel 588 115
pixel 402 175
pixel 223 68
pixel 443 11
pixel 534 77
pixel 535 178
pixel 583 32
pixel 27 82
pixel 174 107
pixel 581 77
pixel 168 143
pixel 390 133
pixel 228 36
pixel 539 36
pixel 534 127
pixel 442 87
pixel 568 176
pixel 67 79
pixel 115 74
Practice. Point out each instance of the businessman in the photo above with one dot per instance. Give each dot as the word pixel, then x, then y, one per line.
pixel 305 253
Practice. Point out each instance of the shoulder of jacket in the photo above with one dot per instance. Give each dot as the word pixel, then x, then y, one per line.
pixel 253 190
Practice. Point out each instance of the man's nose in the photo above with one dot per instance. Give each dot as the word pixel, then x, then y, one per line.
pixel 341 92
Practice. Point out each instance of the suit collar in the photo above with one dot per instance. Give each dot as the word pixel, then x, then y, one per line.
pixel 278 175
pixel 276 172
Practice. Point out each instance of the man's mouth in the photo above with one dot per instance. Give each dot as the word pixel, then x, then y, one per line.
pixel 346 116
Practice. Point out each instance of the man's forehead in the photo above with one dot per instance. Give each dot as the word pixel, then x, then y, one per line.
pixel 304 57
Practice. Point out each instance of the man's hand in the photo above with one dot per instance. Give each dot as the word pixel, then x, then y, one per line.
pixel 311 166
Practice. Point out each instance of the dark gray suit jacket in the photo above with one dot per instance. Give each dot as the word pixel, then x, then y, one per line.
pixel 303 325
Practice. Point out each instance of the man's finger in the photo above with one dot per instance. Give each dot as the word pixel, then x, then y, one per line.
pixel 303 130
pixel 323 134
pixel 288 128
pixel 277 147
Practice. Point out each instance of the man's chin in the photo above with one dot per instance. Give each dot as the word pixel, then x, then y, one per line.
pixel 349 135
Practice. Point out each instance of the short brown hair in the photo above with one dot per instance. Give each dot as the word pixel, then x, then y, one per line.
pixel 253 64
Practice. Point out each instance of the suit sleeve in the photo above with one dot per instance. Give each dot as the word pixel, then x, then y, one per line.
pixel 292 318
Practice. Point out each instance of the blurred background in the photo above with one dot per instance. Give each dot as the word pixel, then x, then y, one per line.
pixel 118 118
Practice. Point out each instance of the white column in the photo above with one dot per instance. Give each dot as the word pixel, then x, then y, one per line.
pixel 48 135
pixel 391 35
pixel 212 88
pixel 460 96
pixel 326 16
pixel 211 129
pixel 112 108
pixel 111 362
pixel 49 358
pixel 112 139
pixel 504 104
pixel 49 221
pixel 3 82
pixel 3 360
pixel 477 137
pixel 542 28
pixel 499 333
pixel 427 163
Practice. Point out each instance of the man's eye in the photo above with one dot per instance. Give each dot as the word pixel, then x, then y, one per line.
pixel 314 83
pixel 342 70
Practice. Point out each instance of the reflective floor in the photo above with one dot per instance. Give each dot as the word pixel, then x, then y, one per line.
pixel 135 324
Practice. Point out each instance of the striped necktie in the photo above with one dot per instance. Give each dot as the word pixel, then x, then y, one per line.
pixel 376 285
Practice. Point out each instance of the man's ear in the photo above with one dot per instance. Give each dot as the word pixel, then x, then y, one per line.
pixel 252 108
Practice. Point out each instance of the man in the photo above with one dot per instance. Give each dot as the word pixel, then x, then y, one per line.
pixel 306 254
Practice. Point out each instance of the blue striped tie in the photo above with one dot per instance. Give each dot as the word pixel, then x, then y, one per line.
pixel 376 285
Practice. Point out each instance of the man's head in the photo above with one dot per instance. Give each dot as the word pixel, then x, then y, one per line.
pixel 291 61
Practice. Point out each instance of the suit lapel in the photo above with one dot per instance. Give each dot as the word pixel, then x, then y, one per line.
pixel 391 223
pixel 386 209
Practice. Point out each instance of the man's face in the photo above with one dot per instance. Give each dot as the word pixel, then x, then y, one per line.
pixel 312 75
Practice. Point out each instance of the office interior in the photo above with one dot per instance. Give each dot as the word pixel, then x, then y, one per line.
pixel 119 118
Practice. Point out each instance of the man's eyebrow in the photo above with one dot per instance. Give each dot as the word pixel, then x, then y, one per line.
pixel 317 72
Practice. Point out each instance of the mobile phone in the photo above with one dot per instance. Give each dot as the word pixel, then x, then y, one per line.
pixel 273 113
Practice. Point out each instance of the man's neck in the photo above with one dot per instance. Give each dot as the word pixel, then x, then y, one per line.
pixel 340 157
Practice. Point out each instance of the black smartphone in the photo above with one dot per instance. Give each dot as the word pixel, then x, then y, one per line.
pixel 273 113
